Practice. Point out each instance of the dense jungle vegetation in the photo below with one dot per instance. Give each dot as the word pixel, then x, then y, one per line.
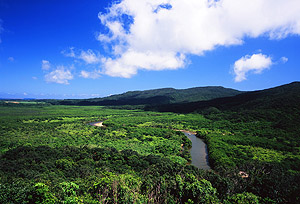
pixel 49 154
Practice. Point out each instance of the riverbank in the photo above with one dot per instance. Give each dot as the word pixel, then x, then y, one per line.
pixel 187 131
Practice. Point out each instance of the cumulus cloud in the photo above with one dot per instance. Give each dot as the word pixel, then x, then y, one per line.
pixel 60 75
pixel 46 65
pixel 131 61
pixel 90 75
pixel 255 63
pixel 89 57
pixel 159 34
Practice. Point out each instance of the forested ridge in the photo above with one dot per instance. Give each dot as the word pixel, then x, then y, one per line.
pixel 281 97
pixel 50 153
pixel 155 96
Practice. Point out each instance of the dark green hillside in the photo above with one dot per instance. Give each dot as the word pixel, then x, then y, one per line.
pixel 158 96
pixel 263 137
pixel 285 97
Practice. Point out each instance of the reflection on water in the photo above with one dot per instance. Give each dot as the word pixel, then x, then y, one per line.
pixel 97 124
pixel 198 152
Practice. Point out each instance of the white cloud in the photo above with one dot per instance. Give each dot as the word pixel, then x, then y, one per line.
pixel 46 65
pixel 11 59
pixel 34 78
pixel 130 62
pixel 90 75
pixel 159 34
pixel 69 53
pixel 284 60
pixel 89 57
pixel 255 63
pixel 60 75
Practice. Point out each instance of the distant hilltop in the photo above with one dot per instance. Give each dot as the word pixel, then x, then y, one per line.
pixel 198 99
pixel 285 97
pixel 157 96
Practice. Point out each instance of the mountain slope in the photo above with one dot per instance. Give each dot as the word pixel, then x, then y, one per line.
pixel 159 96
pixel 281 97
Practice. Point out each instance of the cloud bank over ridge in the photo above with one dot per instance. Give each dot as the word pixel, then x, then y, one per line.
pixel 160 34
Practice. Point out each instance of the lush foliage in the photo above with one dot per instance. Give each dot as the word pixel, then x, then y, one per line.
pixel 49 154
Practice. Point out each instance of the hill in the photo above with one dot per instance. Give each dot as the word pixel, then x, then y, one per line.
pixel 285 97
pixel 158 96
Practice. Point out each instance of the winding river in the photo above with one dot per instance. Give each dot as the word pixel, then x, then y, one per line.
pixel 198 152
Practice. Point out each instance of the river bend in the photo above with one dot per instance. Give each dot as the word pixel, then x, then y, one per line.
pixel 198 152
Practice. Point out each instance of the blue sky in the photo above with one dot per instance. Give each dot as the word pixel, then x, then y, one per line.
pixel 84 49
